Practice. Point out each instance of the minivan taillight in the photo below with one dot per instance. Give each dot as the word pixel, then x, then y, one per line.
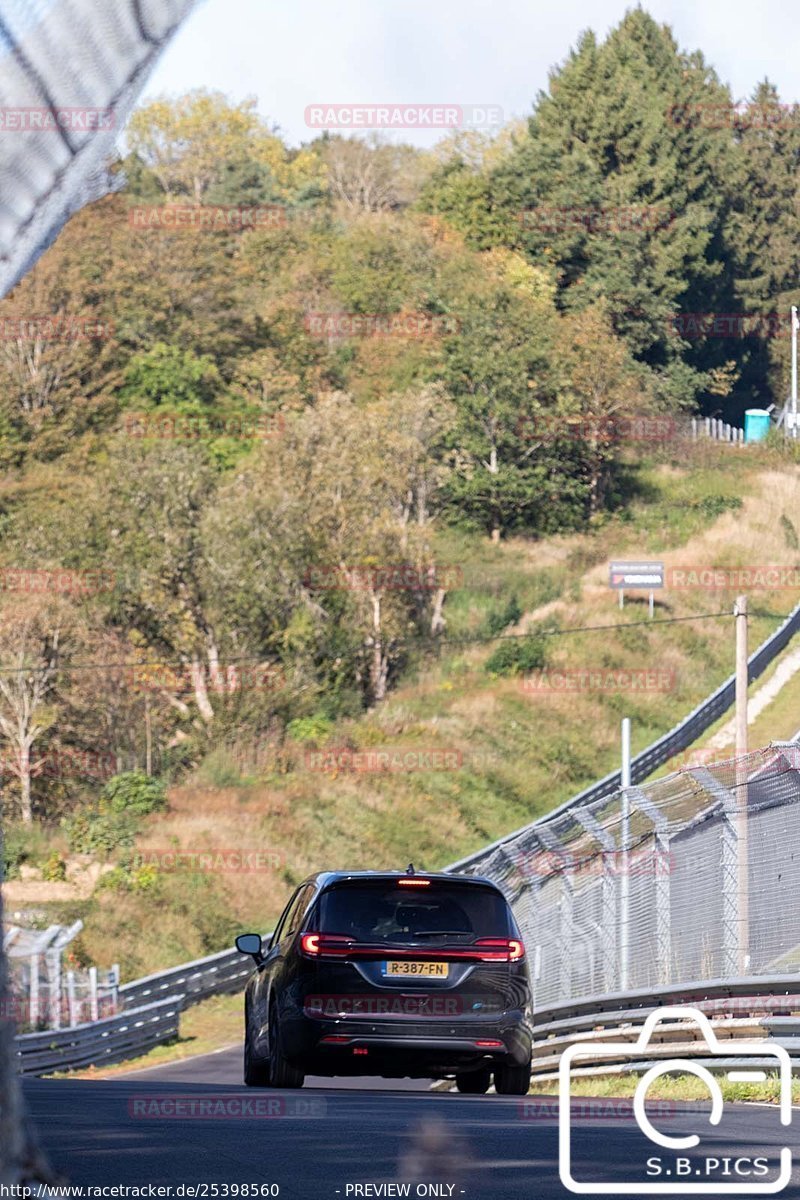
pixel 316 945
pixel 500 949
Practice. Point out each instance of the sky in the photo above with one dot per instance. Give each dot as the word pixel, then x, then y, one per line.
pixel 462 52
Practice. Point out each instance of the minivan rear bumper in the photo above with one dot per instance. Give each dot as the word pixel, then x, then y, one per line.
pixel 399 1049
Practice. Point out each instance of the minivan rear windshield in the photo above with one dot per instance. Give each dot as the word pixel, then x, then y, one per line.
pixel 385 911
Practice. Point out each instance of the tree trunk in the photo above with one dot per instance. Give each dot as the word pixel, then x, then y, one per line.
pixel 379 668
pixel 25 783
pixel 201 692
pixel 437 620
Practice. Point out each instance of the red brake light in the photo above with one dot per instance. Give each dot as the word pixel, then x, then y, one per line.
pixel 500 949
pixel 325 944
pixel 413 882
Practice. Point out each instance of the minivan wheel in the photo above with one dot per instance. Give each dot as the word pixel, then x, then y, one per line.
pixel 281 1073
pixel 474 1083
pixel 256 1070
pixel 511 1080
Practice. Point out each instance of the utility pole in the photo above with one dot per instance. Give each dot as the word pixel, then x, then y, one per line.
pixel 742 831
pixel 624 881
pixel 795 327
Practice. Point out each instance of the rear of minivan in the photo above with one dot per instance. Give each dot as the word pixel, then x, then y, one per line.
pixel 412 975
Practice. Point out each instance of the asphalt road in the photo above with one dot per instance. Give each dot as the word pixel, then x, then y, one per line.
pixel 184 1124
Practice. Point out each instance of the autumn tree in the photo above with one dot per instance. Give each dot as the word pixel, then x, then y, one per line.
pixel 200 146
pixel 31 632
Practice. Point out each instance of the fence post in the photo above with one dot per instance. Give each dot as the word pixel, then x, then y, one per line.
pixel 52 960
pixel 34 992
pixel 624 883
pixel 662 867
pixel 93 1010
pixel 113 979
pixel 71 1003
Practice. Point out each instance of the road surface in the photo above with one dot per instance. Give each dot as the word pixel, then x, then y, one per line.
pixel 182 1124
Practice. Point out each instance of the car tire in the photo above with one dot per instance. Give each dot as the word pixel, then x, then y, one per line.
pixel 511 1080
pixel 256 1069
pixel 281 1073
pixel 474 1083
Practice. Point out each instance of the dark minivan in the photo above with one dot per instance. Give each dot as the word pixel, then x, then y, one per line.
pixel 399 975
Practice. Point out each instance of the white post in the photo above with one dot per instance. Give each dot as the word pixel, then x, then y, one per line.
pixel 742 815
pixel 622 597
pixel 93 1010
pixel 34 991
pixel 71 1002
pixel 795 327
pixel 651 605
pixel 624 882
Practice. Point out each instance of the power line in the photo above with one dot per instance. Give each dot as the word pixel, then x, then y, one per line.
pixel 478 640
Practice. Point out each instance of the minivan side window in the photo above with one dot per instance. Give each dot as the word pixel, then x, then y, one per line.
pixel 280 928
pixel 298 909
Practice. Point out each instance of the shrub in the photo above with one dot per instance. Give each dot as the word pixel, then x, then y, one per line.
pixel 114 819
pixel 54 869
pixel 499 619
pixel 518 656
pixel 94 830
pixel 15 851
pixel 316 728
pixel 133 792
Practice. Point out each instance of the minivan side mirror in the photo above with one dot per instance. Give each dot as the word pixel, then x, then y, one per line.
pixel 250 943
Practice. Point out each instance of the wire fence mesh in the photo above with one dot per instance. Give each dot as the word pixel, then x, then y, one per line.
pixel 686 887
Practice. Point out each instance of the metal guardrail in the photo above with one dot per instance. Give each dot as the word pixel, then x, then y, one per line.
pixel 151 1008
pixel 756 1008
pixel 103 1042
pixel 680 737
pixel 218 974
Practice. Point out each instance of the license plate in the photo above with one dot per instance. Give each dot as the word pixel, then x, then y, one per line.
pixel 406 968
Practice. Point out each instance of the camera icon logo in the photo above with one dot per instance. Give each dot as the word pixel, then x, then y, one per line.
pixel 695 1177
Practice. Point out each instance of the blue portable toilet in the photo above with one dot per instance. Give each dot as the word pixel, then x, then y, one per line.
pixel 756 424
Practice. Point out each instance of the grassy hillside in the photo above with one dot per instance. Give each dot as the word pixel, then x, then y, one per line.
pixel 506 755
